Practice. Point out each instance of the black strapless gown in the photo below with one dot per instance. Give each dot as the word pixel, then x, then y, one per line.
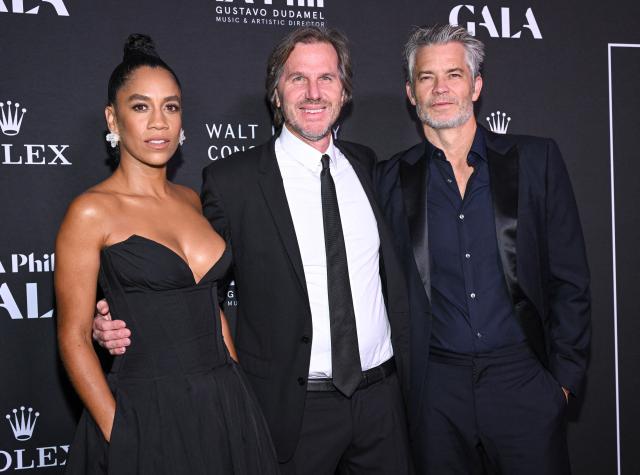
pixel 182 405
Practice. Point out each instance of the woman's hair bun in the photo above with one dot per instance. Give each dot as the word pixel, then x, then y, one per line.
pixel 139 44
pixel 139 51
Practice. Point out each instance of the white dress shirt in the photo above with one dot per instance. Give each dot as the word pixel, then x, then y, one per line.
pixel 300 168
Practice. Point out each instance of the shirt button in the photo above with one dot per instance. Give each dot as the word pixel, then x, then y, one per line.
pixel 461 216
pixel 467 255
pixel 472 295
pixel 301 381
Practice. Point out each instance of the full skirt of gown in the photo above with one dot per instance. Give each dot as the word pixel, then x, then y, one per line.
pixel 183 405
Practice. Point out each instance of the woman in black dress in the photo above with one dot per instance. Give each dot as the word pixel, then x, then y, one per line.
pixel 176 402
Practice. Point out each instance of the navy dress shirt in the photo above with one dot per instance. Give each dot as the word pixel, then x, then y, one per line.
pixel 472 309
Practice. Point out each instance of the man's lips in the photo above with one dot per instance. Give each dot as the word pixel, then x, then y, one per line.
pixel 312 109
pixel 442 103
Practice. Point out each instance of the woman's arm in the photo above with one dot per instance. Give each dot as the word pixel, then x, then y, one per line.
pixel 226 336
pixel 78 245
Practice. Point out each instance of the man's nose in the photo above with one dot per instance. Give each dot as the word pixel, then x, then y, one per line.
pixel 440 86
pixel 313 91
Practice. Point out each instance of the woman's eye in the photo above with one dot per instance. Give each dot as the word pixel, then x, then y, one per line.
pixel 139 107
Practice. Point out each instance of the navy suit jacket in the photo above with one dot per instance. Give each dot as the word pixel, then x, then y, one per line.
pixel 540 244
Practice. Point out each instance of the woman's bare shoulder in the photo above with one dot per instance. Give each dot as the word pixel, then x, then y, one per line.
pixel 94 203
pixel 91 213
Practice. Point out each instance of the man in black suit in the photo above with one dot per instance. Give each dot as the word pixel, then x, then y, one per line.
pixel 322 317
pixel 489 236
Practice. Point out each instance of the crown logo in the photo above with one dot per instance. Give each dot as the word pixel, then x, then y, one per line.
pixel 499 122
pixel 23 427
pixel 11 119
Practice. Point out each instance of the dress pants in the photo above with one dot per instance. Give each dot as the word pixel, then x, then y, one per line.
pixel 499 413
pixel 365 434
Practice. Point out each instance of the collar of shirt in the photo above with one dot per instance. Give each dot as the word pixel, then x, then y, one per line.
pixel 296 150
pixel 478 149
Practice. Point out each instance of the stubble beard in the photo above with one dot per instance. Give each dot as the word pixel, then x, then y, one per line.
pixel 295 126
pixel 312 137
pixel 464 114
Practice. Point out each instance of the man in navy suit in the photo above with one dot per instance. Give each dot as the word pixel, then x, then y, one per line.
pixel 489 236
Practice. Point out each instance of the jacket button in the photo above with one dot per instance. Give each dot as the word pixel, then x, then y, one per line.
pixel 301 381
pixel 305 339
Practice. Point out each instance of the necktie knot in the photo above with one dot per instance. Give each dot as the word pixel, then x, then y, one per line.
pixel 325 162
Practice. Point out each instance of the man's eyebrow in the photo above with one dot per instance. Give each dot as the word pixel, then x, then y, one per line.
pixel 142 97
pixel 429 71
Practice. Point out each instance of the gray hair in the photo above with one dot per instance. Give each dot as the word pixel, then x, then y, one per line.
pixel 307 35
pixel 439 35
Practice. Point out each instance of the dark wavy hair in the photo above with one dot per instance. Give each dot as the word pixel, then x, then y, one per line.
pixel 307 35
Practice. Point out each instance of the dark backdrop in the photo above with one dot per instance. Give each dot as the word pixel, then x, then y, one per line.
pixel 566 69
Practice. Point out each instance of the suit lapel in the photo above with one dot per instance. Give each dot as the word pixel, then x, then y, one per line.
pixel 504 175
pixel 503 172
pixel 270 181
pixel 414 176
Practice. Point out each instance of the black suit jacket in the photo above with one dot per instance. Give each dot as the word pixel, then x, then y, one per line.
pixel 244 199
pixel 540 244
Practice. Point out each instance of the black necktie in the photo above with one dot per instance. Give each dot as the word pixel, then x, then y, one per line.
pixel 345 357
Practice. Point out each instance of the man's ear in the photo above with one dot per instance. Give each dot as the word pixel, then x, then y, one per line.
pixel 412 99
pixel 477 87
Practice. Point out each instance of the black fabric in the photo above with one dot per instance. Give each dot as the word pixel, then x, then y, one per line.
pixel 367 433
pixel 503 169
pixel 182 404
pixel 244 199
pixel 369 377
pixel 345 357
pixel 413 178
pixel 550 258
pixel 501 413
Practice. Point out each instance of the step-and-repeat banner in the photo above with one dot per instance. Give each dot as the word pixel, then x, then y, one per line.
pixel 568 70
